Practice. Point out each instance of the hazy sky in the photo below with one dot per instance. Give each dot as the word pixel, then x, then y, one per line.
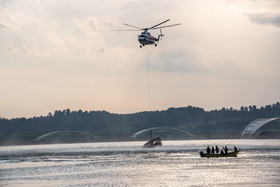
pixel 60 54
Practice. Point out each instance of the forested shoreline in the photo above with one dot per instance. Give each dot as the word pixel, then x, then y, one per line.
pixel 222 123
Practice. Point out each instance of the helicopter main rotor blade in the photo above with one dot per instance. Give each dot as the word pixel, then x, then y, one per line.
pixel 133 26
pixel 125 30
pixel 166 26
pixel 159 24
pixel 151 28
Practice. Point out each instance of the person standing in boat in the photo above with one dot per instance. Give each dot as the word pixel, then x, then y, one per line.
pixel 217 149
pixel 226 150
pixel 208 150
pixel 235 149
pixel 212 150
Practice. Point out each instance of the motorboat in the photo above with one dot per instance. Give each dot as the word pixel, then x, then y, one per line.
pixel 153 142
pixel 229 154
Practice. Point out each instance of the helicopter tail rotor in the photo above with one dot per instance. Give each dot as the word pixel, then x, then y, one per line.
pixel 160 35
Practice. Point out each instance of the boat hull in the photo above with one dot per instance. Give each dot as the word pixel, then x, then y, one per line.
pixel 230 154
pixel 153 143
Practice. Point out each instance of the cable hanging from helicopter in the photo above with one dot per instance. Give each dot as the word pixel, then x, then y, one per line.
pixel 145 38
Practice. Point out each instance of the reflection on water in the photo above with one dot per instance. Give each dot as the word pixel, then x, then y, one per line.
pixel 177 163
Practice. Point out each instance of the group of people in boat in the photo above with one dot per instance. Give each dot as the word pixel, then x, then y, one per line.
pixel 217 150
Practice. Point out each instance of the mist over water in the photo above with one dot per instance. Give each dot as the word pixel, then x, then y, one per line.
pixel 176 163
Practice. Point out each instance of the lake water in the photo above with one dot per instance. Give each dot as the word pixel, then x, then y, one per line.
pixel 176 163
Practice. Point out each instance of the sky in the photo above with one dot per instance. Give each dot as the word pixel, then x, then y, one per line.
pixel 61 54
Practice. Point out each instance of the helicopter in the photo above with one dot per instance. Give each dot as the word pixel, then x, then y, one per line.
pixel 145 38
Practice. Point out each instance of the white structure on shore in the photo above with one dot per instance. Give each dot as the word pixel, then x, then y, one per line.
pixel 254 126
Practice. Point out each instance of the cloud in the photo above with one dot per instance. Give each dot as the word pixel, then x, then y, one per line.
pixel 176 61
pixel 265 18
pixel 5 26
pixel 69 47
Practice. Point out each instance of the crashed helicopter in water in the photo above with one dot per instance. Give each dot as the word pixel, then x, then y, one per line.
pixel 145 38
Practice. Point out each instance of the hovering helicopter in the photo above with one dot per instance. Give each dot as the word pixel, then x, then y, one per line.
pixel 145 38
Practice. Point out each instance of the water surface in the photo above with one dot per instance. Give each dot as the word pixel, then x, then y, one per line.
pixel 176 163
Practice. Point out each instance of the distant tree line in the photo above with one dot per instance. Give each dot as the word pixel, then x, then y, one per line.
pixel 223 123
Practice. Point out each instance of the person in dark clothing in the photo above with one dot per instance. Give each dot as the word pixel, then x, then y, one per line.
pixel 235 149
pixel 208 150
pixel 212 150
pixel 226 150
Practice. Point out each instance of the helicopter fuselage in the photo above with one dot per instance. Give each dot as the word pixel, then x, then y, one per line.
pixel 145 38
